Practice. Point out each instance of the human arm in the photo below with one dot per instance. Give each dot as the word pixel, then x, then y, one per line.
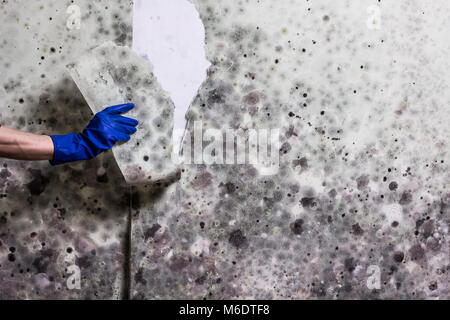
pixel 105 129
pixel 20 145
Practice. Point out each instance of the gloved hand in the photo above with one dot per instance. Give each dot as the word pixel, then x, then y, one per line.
pixel 105 129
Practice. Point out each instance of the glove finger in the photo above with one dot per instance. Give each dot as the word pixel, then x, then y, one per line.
pixel 122 136
pixel 126 121
pixel 121 108
pixel 126 129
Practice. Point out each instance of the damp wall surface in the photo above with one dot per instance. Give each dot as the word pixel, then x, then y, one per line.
pixel 359 205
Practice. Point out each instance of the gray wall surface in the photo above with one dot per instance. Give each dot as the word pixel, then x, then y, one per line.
pixel 358 207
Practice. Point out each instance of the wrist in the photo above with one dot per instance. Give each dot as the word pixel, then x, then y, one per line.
pixel 64 149
pixel 46 147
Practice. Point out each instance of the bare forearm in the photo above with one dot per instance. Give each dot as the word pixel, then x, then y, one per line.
pixel 106 129
pixel 19 145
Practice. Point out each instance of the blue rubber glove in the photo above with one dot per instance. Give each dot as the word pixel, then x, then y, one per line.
pixel 105 129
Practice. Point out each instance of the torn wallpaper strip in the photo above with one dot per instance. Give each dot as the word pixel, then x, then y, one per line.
pixel 167 34
pixel 110 75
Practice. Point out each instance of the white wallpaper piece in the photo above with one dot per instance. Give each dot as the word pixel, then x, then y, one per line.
pixel 171 37
pixel 111 74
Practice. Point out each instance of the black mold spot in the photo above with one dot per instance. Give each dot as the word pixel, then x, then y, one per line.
pixel 362 182
pixel 41 263
pixel 150 232
pixel 406 198
pixel 139 277
pixel 307 202
pixel 349 264
pixel 297 226
pixel 285 148
pixel 237 239
pixel 178 263
pixel 230 187
pixel 416 252
pixel 302 162
pixel 84 262
pixel 398 256
pixel 393 186
pixel 216 96
pixel 202 180
pixel 38 184
pixel 428 228
pixel 433 285
pixel 201 280
pixel 252 98
pixel 357 230
pixel 4 173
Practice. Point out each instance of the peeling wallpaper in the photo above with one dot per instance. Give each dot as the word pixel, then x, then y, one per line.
pixel 359 206
pixel 168 34
pixel 110 75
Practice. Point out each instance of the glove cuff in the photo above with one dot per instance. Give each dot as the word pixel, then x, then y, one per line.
pixel 64 149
